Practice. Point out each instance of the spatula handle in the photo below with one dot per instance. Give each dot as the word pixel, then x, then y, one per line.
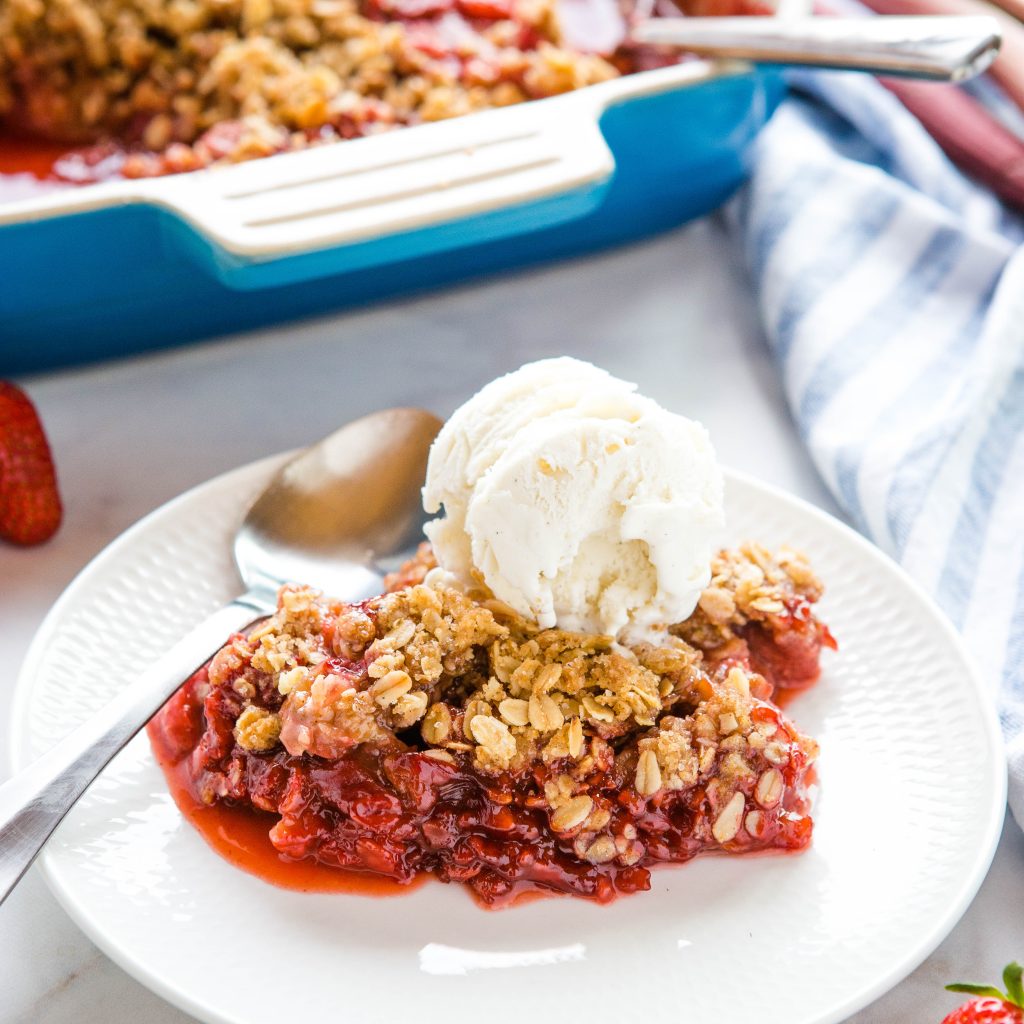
pixel 949 49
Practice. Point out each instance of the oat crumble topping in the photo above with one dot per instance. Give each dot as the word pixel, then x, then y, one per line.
pixel 748 584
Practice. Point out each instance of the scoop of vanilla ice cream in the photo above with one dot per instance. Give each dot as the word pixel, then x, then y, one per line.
pixel 479 431
pixel 579 502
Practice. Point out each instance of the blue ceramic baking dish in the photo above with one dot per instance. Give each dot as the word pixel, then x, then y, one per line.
pixel 122 267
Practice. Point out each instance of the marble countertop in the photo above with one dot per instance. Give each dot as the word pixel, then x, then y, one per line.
pixel 675 314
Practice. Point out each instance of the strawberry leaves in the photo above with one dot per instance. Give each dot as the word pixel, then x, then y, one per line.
pixel 1013 979
pixel 1014 986
pixel 976 990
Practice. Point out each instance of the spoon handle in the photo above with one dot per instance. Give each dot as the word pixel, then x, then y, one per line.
pixel 33 803
pixel 942 48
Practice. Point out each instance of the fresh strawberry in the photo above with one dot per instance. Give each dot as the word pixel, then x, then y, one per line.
pixel 30 509
pixel 990 1005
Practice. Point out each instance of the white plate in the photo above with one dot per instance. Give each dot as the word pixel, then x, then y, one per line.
pixel 912 796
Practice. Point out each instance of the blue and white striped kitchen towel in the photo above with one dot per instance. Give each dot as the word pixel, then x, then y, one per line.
pixel 892 292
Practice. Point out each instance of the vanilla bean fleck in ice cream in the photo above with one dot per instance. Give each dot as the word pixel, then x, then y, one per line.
pixel 577 501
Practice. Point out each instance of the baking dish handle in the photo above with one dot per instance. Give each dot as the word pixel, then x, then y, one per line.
pixel 475 170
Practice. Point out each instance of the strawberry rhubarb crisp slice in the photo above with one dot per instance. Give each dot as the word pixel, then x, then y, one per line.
pixel 434 730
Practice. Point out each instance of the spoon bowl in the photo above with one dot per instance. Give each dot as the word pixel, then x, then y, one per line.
pixel 331 517
pixel 334 516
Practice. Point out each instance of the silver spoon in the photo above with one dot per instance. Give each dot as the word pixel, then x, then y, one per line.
pixel 329 518
pixel 951 49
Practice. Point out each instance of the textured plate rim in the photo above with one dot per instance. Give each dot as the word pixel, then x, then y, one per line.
pixel 18 733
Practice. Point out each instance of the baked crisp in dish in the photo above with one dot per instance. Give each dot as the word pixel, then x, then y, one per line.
pixel 181 84
pixel 433 730
pixel 151 87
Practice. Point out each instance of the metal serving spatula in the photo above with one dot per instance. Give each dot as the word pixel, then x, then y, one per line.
pixel 950 49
